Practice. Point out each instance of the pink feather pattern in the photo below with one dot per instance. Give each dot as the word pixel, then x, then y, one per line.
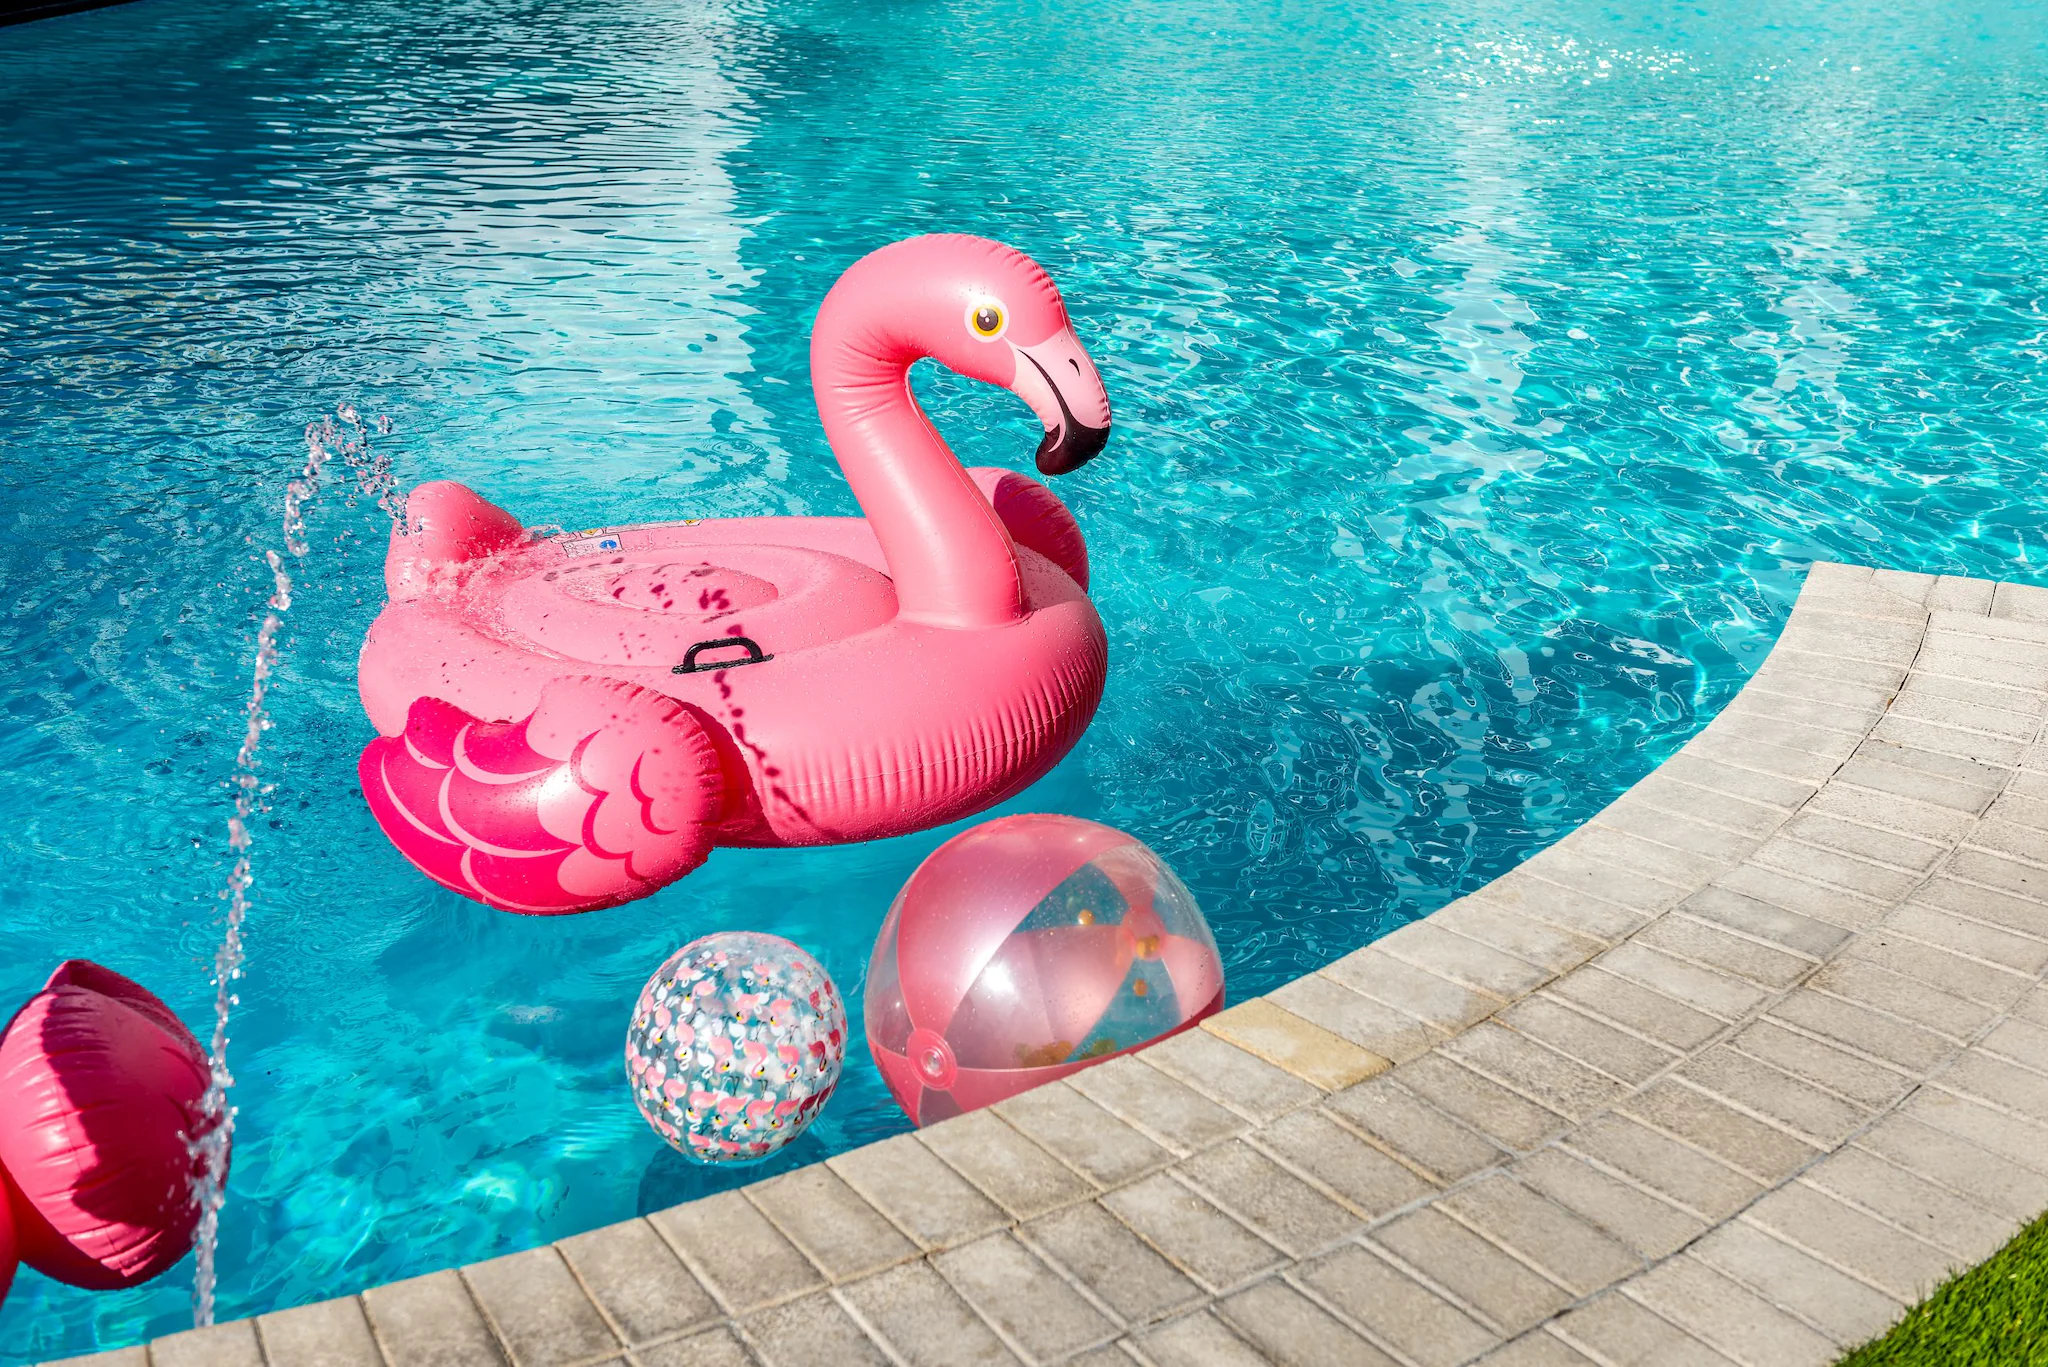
pixel 605 793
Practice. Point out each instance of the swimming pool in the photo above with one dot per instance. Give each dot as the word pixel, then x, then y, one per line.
pixel 1485 378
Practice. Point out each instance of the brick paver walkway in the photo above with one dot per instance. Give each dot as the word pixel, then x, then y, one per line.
pixel 1734 1073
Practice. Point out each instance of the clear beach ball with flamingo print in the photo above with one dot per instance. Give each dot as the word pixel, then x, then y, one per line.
pixel 735 1045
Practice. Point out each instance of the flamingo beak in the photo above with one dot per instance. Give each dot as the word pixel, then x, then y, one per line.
pixel 1059 382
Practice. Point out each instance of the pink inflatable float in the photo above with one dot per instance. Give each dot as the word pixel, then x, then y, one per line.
pixel 9 1255
pixel 100 1086
pixel 1024 950
pixel 573 721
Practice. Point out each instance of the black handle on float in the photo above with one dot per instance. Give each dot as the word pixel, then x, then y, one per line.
pixel 754 655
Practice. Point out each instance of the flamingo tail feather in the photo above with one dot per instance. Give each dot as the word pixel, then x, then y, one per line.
pixel 605 793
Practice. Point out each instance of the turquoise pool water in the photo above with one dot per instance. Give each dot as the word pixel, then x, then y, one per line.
pixel 1486 377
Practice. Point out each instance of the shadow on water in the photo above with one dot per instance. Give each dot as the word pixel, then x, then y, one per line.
pixel 670 1179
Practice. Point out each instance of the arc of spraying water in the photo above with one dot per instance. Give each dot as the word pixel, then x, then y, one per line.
pixel 325 440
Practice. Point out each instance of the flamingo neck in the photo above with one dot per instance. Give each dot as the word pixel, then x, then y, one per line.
pixel 952 560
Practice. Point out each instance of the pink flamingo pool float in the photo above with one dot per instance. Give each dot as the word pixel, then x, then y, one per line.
pixel 571 722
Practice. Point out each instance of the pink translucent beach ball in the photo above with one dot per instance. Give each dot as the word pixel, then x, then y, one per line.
pixel 1026 949
pixel 736 1042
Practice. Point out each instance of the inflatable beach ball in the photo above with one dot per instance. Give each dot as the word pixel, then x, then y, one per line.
pixel 8 1262
pixel 101 1086
pixel 736 1043
pixel 1024 950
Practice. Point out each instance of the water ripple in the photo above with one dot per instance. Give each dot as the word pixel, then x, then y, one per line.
pixel 1486 377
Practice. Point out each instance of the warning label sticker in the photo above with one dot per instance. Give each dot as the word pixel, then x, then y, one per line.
pixel 578 544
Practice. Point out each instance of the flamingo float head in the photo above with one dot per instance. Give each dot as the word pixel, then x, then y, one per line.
pixel 985 311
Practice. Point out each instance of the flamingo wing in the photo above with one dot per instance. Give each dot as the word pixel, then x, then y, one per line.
pixel 605 793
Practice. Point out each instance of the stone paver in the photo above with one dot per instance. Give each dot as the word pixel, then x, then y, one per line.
pixel 1015 1173
pixel 430 1321
pixel 1283 1325
pixel 908 1183
pixel 1861 1244
pixel 1846 1310
pixel 840 1233
pixel 1023 1296
pixel 1191 1232
pixel 220 1345
pixel 1563 1246
pixel 1687 1177
pixel 1627 1058
pixel 1199 1340
pixel 1635 1009
pixel 913 1309
pixel 1651 1225
pixel 720 1347
pixel 540 1312
pixel 1352 1170
pixel 1082 1135
pixel 1499 1289
pixel 1152 1101
pixel 1618 1329
pixel 1285 1210
pixel 1732 1074
pixel 1395 1308
pixel 1374 1026
pixel 1726 1315
pixel 1503 1115
pixel 1098 1251
pixel 1235 1077
pixel 638 1283
pixel 733 1250
pixel 1540 1074
pixel 812 1330
pixel 1294 1044
pixel 1412 1130
pixel 323 1334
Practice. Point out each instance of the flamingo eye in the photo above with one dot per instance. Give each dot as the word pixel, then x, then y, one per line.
pixel 987 320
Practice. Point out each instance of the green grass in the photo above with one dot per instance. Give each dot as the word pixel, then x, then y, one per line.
pixel 1995 1315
